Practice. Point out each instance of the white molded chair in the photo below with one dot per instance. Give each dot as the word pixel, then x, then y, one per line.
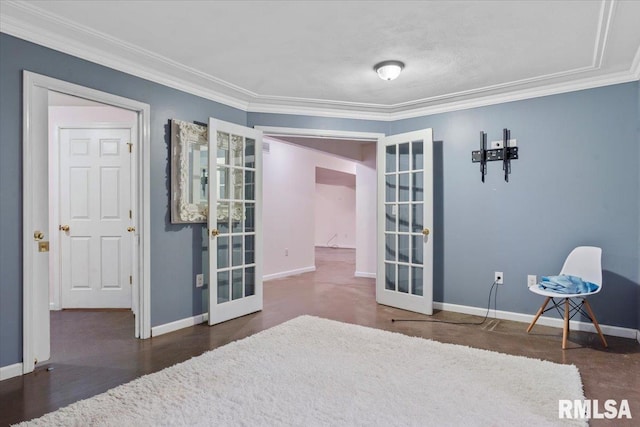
pixel 584 262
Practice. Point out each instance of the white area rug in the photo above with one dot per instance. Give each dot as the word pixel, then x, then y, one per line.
pixel 312 371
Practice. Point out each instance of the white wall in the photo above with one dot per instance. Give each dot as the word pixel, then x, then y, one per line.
pixel 288 215
pixel 64 116
pixel 335 215
pixel 366 185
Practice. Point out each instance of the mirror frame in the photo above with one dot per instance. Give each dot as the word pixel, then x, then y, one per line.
pixel 184 134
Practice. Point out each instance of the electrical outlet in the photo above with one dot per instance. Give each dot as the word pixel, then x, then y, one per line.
pixel 499 278
pixel 532 279
pixel 199 280
pixel 286 251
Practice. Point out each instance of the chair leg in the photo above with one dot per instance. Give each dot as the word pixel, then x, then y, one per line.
pixel 538 314
pixel 595 322
pixel 565 330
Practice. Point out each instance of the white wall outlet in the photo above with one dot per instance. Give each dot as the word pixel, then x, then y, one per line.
pixel 499 278
pixel 532 279
pixel 199 280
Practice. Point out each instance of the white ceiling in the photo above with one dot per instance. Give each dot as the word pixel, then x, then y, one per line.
pixel 318 57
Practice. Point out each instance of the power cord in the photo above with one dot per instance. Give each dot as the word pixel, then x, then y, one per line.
pixel 495 307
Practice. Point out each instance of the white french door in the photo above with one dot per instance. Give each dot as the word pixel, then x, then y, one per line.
pixel 234 221
pixel 96 225
pixel 404 276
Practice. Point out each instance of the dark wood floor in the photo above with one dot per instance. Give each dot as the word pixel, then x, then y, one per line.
pixel 94 351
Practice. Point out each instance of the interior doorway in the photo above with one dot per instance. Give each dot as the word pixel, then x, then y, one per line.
pixel 42 211
pixel 335 209
pixel 300 167
pixel 92 177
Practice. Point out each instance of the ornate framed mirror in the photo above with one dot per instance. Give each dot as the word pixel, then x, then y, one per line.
pixel 190 172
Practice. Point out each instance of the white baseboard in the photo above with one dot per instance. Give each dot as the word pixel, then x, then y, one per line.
pixel 288 273
pixel 365 274
pixel 179 324
pixel 54 307
pixel 638 336
pixel 10 371
pixel 616 331
pixel 335 246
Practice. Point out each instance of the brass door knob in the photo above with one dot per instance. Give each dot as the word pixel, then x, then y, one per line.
pixel 38 235
pixel 214 232
pixel 64 228
pixel 131 229
pixel 425 231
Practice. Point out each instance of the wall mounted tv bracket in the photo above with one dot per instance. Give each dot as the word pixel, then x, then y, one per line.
pixel 504 153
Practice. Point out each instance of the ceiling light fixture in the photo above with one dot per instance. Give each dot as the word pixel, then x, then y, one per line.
pixel 389 70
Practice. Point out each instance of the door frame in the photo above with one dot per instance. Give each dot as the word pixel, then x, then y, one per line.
pixel 35 138
pixel 54 208
pixel 373 137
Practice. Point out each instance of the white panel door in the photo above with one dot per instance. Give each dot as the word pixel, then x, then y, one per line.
pixel 404 276
pixel 234 221
pixel 95 211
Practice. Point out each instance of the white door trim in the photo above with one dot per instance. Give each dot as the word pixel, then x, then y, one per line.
pixel 35 138
pixel 275 131
pixel 54 206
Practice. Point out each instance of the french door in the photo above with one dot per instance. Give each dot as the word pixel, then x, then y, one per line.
pixel 405 221
pixel 234 221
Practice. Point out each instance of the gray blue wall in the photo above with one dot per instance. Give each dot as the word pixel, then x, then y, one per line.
pixel 175 251
pixel 577 182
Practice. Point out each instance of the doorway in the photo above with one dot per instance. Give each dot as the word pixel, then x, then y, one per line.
pixel 42 229
pixel 92 182
pixel 297 163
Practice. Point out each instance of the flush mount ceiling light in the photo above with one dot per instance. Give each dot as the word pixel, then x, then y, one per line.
pixel 389 70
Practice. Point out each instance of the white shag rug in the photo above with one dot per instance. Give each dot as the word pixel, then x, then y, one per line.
pixel 317 372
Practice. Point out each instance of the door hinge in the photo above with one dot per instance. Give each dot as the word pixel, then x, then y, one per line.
pixel 131 280
pixel 130 214
pixel 130 146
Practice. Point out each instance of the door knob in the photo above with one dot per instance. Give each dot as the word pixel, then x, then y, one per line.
pixel 214 232
pixel 131 229
pixel 425 231
pixel 38 235
pixel 64 228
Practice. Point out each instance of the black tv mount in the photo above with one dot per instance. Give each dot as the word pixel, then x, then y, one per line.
pixel 506 154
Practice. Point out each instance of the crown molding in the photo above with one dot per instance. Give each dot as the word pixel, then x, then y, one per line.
pixel 428 108
pixel 635 65
pixel 30 23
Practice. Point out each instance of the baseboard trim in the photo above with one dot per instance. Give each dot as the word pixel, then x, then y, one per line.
pixel 638 336
pixel 335 246
pixel 179 324
pixel 282 274
pixel 616 331
pixel 10 371
pixel 365 274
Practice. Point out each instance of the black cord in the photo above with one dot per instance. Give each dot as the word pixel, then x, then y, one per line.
pixel 460 323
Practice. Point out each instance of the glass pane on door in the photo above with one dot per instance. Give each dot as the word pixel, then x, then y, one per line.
pixel 236 204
